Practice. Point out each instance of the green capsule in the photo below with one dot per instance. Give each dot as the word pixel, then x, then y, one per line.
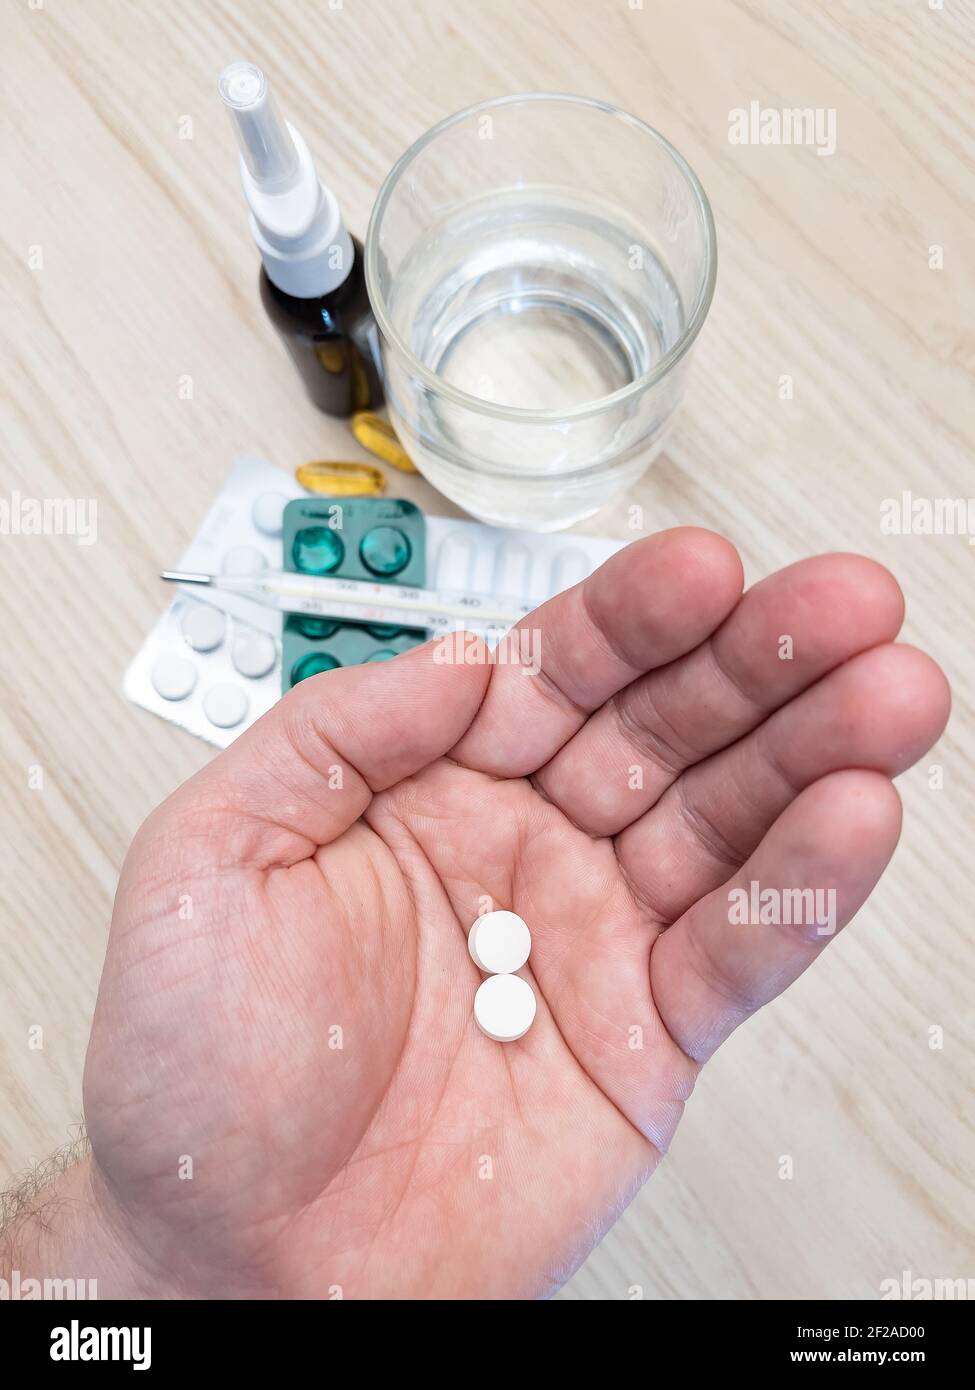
pixel 315 628
pixel 313 665
pixel 317 550
pixel 385 550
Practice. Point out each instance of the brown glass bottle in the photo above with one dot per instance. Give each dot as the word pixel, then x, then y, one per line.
pixel 331 339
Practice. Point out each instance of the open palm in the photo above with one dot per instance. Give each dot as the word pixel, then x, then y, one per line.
pixel 285 1089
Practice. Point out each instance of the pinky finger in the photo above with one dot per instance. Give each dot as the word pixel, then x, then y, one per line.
pixel 742 945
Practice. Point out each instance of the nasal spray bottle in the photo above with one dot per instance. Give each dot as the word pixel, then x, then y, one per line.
pixel 312 280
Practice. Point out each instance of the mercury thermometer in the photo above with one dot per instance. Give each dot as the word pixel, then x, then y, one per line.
pixel 362 601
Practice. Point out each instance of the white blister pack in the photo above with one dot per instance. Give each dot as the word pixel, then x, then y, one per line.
pixel 212 664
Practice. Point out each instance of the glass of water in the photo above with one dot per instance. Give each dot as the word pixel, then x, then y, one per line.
pixel 539 267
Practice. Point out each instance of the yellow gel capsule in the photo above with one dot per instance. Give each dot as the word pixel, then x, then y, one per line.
pixel 378 436
pixel 341 479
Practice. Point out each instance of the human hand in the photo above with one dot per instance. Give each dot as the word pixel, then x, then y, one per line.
pixel 322 873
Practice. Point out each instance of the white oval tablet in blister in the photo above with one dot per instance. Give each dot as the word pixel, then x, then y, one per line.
pixel 254 653
pixel 225 705
pixel 499 942
pixel 504 1007
pixel 203 627
pixel 173 677
pixel 267 512
pixel 243 559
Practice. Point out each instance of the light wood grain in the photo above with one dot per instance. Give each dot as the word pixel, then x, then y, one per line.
pixel 149 275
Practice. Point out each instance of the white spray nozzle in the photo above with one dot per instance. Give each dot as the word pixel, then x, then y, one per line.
pixel 265 142
pixel 295 219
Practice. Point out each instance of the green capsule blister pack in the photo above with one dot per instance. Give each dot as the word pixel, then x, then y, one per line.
pixel 372 538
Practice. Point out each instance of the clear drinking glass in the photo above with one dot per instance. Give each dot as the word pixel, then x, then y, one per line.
pixel 539 267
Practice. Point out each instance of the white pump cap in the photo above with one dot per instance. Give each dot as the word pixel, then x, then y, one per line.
pixel 295 219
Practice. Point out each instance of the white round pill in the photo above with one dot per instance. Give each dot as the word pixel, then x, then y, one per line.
pixel 254 654
pixel 225 705
pixel 504 1007
pixel 267 511
pixel 173 677
pixel 203 627
pixel 243 559
pixel 499 943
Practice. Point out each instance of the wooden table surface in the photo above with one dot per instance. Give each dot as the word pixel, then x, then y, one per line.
pixel 127 269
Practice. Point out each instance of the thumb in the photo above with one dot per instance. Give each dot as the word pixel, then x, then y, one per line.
pixel 302 774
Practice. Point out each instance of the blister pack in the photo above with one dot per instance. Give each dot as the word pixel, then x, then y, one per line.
pixel 375 538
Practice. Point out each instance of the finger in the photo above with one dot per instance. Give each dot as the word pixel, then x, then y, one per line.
pixel 880 711
pixel 302 774
pixel 645 606
pixel 818 863
pixel 786 633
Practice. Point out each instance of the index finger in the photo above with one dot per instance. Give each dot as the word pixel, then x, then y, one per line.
pixel 646 606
